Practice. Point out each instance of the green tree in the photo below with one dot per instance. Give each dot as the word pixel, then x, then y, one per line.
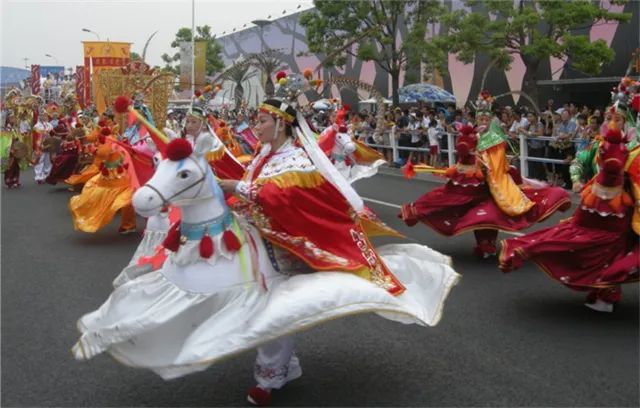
pixel 238 73
pixel 534 30
pixel 214 61
pixel 368 30
pixel 134 56
pixel 268 62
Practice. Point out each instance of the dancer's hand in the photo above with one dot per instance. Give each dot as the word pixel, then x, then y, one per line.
pixel 577 187
pixel 228 186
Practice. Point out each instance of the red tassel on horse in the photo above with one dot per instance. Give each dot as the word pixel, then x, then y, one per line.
pixel 172 241
pixel 206 247
pixel 231 241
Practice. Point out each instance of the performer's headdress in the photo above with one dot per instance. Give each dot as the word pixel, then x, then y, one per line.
pixel 283 108
pixel 484 104
pixel 60 130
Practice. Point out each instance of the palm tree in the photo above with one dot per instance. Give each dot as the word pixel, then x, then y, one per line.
pixel 268 62
pixel 238 73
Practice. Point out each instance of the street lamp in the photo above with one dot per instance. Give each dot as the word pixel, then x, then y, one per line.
pixel 51 56
pixel 261 24
pixel 86 30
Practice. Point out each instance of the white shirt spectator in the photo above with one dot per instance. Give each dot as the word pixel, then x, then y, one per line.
pixel 434 136
pixel 522 123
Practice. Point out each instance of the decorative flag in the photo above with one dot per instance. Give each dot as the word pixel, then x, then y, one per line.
pixel 35 79
pixel 185 64
pixel 80 79
pixel 98 56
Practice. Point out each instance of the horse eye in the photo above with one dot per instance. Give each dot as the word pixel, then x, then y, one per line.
pixel 183 174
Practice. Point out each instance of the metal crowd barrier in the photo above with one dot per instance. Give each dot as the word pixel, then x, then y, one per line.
pixel 524 150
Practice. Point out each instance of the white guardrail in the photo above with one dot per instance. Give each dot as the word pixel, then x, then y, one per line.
pixel 524 150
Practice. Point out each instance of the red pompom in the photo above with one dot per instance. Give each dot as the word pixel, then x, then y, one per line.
pixel 105 131
pixel 635 102
pixel 462 149
pixel 281 75
pixel 613 136
pixel 179 149
pixel 231 241
pixel 206 247
pixel 197 94
pixel 102 123
pixel 466 130
pixel 222 123
pixel 172 241
pixel 343 129
pixel 121 104
pixel 346 107
pixel 102 139
pixel 105 172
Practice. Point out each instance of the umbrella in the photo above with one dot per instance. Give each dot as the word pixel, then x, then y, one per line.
pixel 323 104
pixel 424 93
pixel 373 101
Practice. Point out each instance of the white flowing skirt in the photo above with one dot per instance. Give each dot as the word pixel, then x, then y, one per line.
pixel 154 235
pixel 152 322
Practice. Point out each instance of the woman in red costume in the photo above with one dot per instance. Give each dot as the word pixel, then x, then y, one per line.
pixel 597 249
pixel 311 220
pixel 66 161
pixel 484 194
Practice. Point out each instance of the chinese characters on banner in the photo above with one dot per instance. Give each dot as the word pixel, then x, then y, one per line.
pixel 98 56
pixel 35 79
pixel 80 82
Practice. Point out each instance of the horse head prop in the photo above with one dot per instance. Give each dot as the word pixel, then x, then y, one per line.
pixel 183 179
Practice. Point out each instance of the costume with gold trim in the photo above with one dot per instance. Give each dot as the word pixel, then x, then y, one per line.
pixel 484 194
pixel 320 228
pixel 598 248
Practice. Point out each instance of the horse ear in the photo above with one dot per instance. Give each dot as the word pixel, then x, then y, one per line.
pixel 204 144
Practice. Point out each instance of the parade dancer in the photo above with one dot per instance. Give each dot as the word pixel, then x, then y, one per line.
pixel 107 192
pixel 42 152
pixel 16 161
pixel 64 163
pixel 597 249
pixel 483 194
pixel 252 294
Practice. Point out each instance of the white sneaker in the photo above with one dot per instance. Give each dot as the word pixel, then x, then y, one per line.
pixel 600 306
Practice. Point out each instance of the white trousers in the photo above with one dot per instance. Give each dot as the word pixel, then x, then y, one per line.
pixel 276 364
pixel 43 168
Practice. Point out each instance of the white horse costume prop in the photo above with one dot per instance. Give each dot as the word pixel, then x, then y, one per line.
pixel 154 233
pixel 210 301
pixel 343 155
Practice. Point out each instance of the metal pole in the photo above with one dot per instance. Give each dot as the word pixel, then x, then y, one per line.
pixel 394 149
pixel 450 147
pixel 524 155
pixel 193 51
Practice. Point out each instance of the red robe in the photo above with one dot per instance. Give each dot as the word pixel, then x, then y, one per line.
pixel 295 208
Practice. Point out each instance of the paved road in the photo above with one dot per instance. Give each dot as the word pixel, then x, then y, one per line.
pixel 505 340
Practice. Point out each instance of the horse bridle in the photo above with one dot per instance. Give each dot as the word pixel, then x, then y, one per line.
pixel 203 177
